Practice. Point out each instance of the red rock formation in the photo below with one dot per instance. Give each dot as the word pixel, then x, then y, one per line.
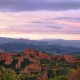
pixel 33 60
pixel 44 56
pixel 6 57
pixel 34 57
pixel 32 52
pixel 37 54
pixel 35 67
pixel 24 71
pixel 43 77
pixel 20 60
pixel 8 60
pixel 68 58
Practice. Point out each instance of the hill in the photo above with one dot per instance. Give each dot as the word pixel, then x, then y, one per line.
pixel 32 62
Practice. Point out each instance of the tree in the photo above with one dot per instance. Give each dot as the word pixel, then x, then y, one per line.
pixel 8 74
pixel 75 75
pixel 51 73
pixel 29 76
pixel 62 78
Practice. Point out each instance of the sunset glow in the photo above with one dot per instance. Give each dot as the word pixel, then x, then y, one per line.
pixel 21 21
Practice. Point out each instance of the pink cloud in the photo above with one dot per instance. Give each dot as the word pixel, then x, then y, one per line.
pixel 40 23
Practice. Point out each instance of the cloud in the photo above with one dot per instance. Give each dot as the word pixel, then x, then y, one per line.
pixel 32 5
pixel 68 19
pixel 39 22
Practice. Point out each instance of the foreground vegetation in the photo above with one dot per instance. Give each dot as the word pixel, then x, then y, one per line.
pixel 35 67
pixel 9 74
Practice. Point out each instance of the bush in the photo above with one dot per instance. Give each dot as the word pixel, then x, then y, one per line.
pixel 74 74
pixel 8 74
pixel 51 73
pixel 62 78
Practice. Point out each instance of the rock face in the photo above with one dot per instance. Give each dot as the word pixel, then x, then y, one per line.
pixel 37 54
pixel 35 67
pixel 44 56
pixel 31 53
pixel 68 58
pixel 33 56
pixel 43 77
pixel 7 58
pixel 20 60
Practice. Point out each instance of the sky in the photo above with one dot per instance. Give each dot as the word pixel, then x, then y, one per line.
pixel 38 19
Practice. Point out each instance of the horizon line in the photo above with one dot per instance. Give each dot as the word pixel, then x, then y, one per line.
pixel 41 39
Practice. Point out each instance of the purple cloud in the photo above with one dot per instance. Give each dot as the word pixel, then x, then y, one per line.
pixel 32 5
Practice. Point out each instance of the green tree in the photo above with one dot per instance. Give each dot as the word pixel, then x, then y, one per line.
pixel 8 74
pixel 51 73
pixel 29 76
pixel 62 78
pixel 74 75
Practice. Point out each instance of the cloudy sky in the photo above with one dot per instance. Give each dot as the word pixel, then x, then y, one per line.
pixel 38 19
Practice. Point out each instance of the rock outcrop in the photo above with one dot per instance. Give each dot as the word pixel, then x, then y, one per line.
pixel 20 60
pixel 34 67
pixel 43 77
pixel 68 58
pixel 7 58
pixel 29 60
pixel 37 54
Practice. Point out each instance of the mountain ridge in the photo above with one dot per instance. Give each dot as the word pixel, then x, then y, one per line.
pixel 48 46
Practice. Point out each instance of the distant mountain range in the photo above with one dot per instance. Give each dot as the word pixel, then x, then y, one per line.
pixel 61 42
pixel 56 46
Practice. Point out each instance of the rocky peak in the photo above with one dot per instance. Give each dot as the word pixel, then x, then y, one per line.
pixel 34 67
pixel 29 52
pixel 37 54
pixel 68 58
pixel 7 57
